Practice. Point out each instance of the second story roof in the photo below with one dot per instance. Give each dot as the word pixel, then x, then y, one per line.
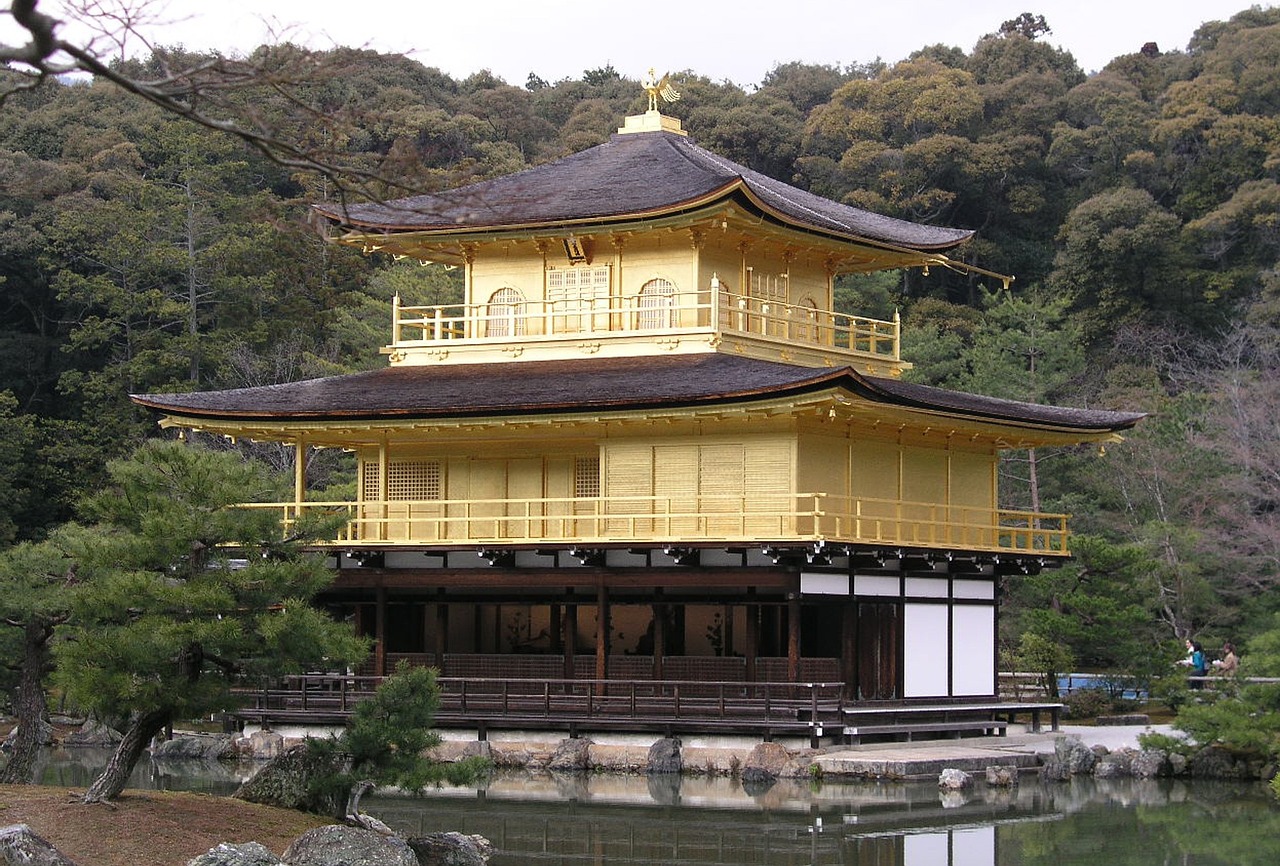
pixel 633 175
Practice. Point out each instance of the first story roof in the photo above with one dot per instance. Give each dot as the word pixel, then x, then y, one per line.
pixel 590 385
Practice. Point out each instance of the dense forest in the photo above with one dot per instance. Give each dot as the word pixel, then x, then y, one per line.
pixel 1138 208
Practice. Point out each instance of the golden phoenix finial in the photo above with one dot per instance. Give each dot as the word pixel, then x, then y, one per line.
pixel 656 87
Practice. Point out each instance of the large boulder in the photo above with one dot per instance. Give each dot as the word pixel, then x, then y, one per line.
pixel 664 756
pixel 1074 755
pixel 572 755
pixel 340 845
pixel 245 854
pixel 194 747
pixel 765 763
pixel 1149 763
pixel 1214 762
pixel 952 779
pixel 451 849
pixel 94 734
pixel 22 846
pixel 44 734
pixel 288 782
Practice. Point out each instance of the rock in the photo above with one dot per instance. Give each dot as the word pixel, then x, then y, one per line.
pixel 1177 763
pixel 1213 762
pixel 261 746
pixel 45 735
pixel 572 755
pixel 765 763
pixel 22 846
pixel 1075 757
pixel 93 733
pixel 664 756
pixel 1115 765
pixel 285 782
pixel 1149 763
pixel 1002 777
pixel 194 747
pixel 1054 770
pixel 451 849
pixel 246 854
pixel 1125 719
pixel 954 780
pixel 339 845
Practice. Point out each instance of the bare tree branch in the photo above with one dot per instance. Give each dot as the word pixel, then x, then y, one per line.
pixel 202 92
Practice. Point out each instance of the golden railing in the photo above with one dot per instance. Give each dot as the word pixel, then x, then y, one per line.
pixel 708 311
pixel 657 519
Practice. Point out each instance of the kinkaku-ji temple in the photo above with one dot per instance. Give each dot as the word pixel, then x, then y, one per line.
pixel 644 478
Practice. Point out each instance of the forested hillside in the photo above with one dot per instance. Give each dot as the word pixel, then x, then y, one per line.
pixel 1138 208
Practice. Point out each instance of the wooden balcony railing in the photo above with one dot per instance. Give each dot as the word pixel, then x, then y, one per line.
pixel 708 311
pixel 807 517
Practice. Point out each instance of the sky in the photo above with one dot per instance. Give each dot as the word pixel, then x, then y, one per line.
pixel 724 40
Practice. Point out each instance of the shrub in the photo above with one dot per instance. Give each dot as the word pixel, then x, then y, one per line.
pixel 1087 703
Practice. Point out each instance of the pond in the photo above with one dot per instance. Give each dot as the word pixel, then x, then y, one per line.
pixel 606 819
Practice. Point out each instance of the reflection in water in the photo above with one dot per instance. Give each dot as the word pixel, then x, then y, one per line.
pixel 587 819
pixel 578 819
pixel 77 767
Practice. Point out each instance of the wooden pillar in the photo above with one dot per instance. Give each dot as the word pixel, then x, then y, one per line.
pixel 299 477
pixel 384 490
pixel 380 633
pixel 793 636
pixel 849 649
pixel 570 637
pixel 752 649
pixel 728 629
pixel 659 639
pixel 442 634
pixel 554 629
pixel 602 634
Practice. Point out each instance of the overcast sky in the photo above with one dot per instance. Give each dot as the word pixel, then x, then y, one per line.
pixel 734 41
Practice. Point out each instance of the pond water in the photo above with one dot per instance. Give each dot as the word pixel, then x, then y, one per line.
pixel 700 821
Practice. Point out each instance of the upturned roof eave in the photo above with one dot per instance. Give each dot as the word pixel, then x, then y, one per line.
pixel 691 210
pixel 846 380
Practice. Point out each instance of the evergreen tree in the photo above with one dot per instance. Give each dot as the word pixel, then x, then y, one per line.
pixel 191 598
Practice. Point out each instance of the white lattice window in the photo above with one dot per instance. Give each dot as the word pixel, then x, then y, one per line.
pixel 574 290
pixel 586 477
pixel 505 314
pixel 407 480
pixel 657 304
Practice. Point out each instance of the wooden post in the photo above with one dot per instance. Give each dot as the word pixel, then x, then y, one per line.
pixel 570 624
pixel 299 476
pixel 793 636
pixel 442 634
pixel 602 634
pixel 752 648
pixel 380 633
pixel 659 639
pixel 849 649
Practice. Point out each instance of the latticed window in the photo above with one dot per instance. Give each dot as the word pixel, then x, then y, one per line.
pixel 657 304
pixel 407 480
pixel 505 317
pixel 586 477
pixel 574 289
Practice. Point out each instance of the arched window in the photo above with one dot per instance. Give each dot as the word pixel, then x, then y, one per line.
pixel 657 305
pixel 804 321
pixel 504 317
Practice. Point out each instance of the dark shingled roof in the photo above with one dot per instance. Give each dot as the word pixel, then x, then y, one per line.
pixel 587 385
pixel 633 174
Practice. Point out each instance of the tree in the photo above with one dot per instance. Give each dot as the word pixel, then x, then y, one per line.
pixel 36 583
pixel 386 742
pixel 191 598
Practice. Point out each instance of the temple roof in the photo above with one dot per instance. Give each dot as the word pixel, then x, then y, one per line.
pixel 634 175
pixel 591 385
